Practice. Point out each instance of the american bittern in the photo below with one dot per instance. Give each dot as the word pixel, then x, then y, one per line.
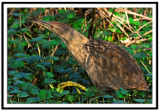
pixel 108 65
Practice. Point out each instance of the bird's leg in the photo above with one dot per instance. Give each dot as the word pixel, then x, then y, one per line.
pixel 70 83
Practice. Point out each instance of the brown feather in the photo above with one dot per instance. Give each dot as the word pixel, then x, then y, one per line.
pixel 113 67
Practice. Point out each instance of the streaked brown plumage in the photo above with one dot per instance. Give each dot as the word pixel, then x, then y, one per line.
pixel 108 65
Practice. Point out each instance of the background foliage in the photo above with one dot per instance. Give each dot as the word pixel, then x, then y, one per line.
pixel 38 60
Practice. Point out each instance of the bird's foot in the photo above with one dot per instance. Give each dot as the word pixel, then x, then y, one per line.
pixel 70 83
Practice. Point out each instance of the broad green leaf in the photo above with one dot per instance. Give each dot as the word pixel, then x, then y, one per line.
pixel 123 91
pixel 34 58
pixel 108 96
pixel 41 66
pixel 49 75
pixel 128 49
pixel 38 39
pixel 19 48
pixel 15 14
pixel 15 91
pixel 119 94
pixel 44 94
pixel 137 22
pixel 65 92
pixel 23 94
pixel 32 100
pixel 13 73
pixel 120 102
pixel 20 54
pixel 16 64
pixel 139 100
pixel 49 80
pixel 48 18
pixel 16 24
pixel 140 55
pixel 70 98
pixel 134 46
pixel 11 31
pixel 34 91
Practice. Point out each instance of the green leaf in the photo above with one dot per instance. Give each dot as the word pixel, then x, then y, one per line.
pixel 41 66
pixel 24 30
pixel 16 24
pixel 149 75
pixel 17 76
pixel 27 76
pixel 71 14
pixel 16 64
pixel 55 58
pixel 149 101
pixel 34 91
pixel 139 100
pixel 49 80
pixel 20 55
pixel 11 31
pixel 32 100
pixel 137 22
pixel 48 18
pixel 34 58
pixel 123 91
pixel 13 73
pixel 128 49
pixel 57 94
pixel 53 42
pixel 89 93
pixel 70 98
pixel 140 55
pixel 131 20
pixel 65 92
pixel 49 74
pixel 20 84
pixel 38 39
pixel 75 75
pixel 119 94
pixel 108 96
pixel 23 94
pixel 19 48
pixel 44 94
pixel 15 14
pixel 134 46
pixel 15 91
pixel 120 102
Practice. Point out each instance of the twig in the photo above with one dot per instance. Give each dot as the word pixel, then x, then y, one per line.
pixel 145 66
pixel 120 28
pixel 39 51
pixel 134 13
pixel 141 27
pixel 29 45
pixel 103 16
pixel 11 12
pixel 147 32
pixel 54 50
pixel 90 33
pixel 86 25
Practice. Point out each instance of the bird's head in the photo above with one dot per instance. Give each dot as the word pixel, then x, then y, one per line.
pixel 61 29
pixel 66 33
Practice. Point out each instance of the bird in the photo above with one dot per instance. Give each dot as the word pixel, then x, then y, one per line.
pixel 107 64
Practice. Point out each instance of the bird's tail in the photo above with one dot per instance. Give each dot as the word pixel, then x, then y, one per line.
pixel 143 86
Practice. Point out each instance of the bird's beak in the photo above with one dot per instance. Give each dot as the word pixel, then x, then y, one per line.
pixel 43 23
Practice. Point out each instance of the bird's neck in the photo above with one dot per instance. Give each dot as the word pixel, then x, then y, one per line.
pixel 76 44
pixel 73 37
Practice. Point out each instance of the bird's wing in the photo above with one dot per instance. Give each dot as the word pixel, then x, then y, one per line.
pixel 113 65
